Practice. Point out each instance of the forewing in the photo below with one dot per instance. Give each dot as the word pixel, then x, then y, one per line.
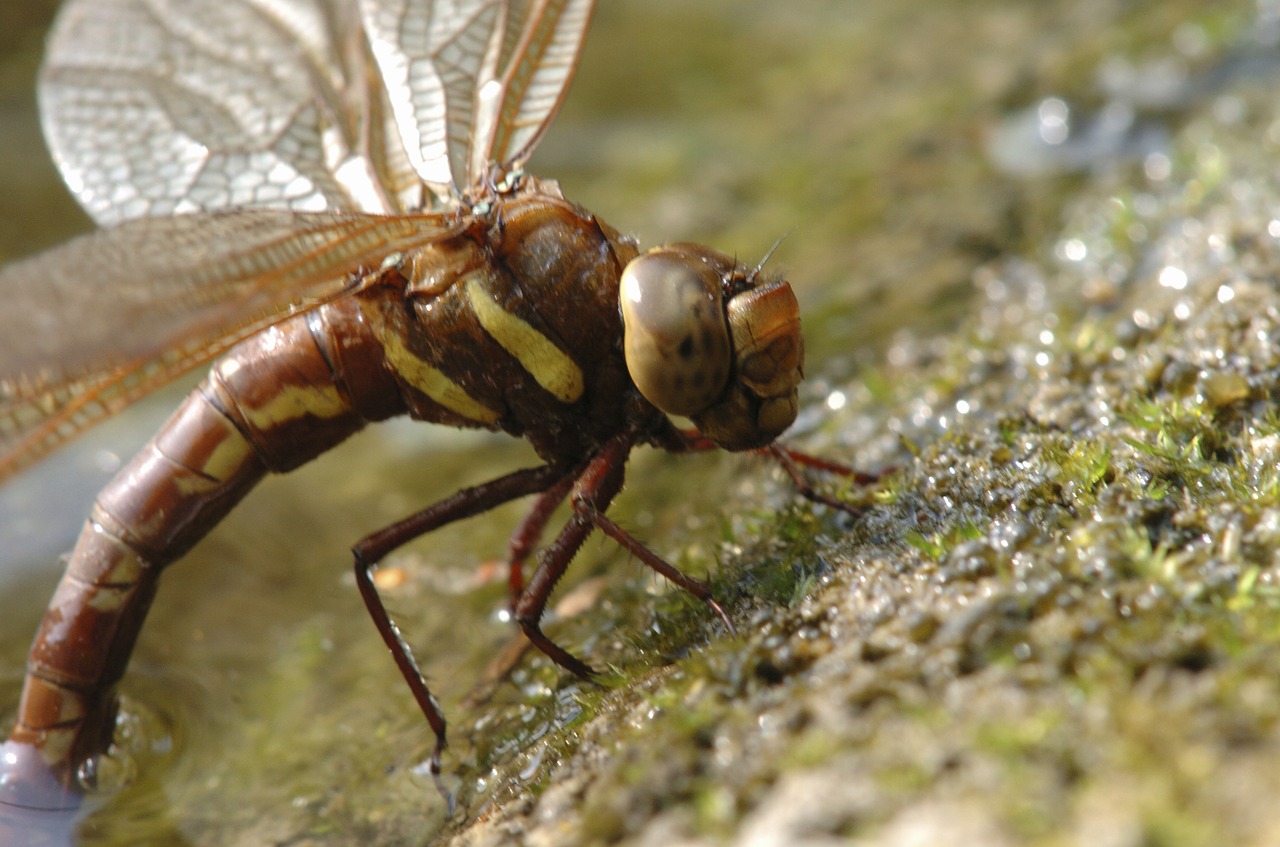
pixel 92 325
pixel 472 82
pixel 159 107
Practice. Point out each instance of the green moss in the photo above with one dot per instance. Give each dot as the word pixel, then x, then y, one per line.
pixel 938 544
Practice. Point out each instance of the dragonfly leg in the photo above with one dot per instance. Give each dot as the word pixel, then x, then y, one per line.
pixel 825 465
pixel 595 489
pixel 527 533
pixel 790 462
pixel 373 548
pixel 696 587
pixel 597 485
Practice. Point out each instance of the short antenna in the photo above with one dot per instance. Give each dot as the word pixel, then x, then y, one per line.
pixel 769 255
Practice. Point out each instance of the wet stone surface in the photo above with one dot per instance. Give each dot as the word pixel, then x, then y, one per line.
pixel 1056 620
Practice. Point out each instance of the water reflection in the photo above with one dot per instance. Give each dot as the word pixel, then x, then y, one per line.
pixel 37 828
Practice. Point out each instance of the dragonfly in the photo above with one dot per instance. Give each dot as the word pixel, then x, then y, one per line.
pixel 326 199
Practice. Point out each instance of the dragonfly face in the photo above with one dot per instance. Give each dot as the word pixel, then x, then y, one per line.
pixel 326 196
pixel 704 341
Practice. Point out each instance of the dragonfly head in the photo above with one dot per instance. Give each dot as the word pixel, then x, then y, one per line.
pixel 705 338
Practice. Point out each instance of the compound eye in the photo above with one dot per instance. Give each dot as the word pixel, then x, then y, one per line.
pixel 675 334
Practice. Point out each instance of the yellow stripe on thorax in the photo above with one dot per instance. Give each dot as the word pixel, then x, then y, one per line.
pixel 545 362
pixel 432 382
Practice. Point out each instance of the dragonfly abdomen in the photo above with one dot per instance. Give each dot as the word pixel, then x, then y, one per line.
pixel 273 402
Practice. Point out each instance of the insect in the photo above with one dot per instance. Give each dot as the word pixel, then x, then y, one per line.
pixel 327 199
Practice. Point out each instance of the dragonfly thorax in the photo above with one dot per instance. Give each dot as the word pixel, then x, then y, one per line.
pixel 512 324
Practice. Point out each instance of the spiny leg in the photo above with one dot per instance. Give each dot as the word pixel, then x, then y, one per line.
pixel 695 587
pixel 528 532
pixel 826 465
pixel 370 550
pixel 597 485
pixel 790 460
pixel 595 489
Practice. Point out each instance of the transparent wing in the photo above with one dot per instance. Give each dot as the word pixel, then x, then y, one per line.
pixel 540 54
pixel 92 325
pixel 430 55
pixel 472 82
pixel 295 126
pixel 159 107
